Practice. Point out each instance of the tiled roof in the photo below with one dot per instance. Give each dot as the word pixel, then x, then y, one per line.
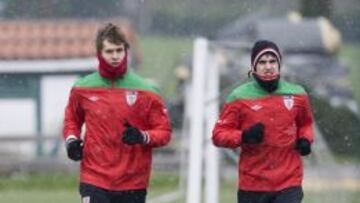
pixel 52 39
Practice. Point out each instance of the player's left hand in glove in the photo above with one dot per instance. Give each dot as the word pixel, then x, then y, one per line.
pixel 132 135
pixel 303 146
pixel 74 149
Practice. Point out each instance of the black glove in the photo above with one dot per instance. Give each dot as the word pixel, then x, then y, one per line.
pixel 254 134
pixel 74 149
pixel 303 146
pixel 132 135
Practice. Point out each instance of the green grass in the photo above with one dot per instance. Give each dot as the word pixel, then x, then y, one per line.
pixel 350 55
pixel 66 196
pixel 332 197
pixel 62 188
pixel 39 196
pixel 39 182
pixel 161 55
pixel 46 188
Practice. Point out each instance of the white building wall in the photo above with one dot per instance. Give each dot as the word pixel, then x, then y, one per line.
pixel 18 119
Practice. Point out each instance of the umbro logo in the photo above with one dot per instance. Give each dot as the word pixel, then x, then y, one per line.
pixel 93 98
pixel 256 107
pixel 86 199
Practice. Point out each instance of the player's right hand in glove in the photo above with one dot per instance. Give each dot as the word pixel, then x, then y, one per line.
pixel 74 149
pixel 253 134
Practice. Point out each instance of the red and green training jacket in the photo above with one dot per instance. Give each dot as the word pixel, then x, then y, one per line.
pixel 104 106
pixel 274 164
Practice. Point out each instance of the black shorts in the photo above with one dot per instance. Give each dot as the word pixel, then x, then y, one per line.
pixel 288 195
pixel 92 194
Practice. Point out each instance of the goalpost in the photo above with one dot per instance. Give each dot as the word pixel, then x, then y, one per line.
pixel 199 159
pixel 203 156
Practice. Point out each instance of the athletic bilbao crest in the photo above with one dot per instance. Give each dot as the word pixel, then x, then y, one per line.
pixel 86 199
pixel 289 102
pixel 131 97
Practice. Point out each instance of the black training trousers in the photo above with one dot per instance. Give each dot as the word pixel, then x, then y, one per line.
pixel 92 194
pixel 288 195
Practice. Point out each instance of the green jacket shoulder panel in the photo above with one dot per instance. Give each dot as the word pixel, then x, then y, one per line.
pixel 92 80
pixel 289 88
pixel 133 81
pixel 252 90
pixel 130 81
pixel 245 91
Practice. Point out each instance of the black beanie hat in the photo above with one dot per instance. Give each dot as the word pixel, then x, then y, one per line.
pixel 261 47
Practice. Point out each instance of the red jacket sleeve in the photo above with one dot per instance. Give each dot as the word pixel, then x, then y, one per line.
pixel 160 130
pixel 226 132
pixel 305 121
pixel 74 116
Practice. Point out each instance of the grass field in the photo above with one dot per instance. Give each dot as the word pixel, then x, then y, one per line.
pixel 63 189
pixel 69 196
pixel 39 196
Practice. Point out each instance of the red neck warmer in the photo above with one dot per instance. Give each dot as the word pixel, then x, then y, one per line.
pixel 110 72
pixel 267 77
